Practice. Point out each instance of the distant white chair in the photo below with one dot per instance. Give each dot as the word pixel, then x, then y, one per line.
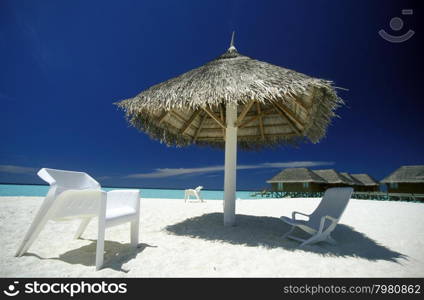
pixel 324 219
pixel 193 192
pixel 76 195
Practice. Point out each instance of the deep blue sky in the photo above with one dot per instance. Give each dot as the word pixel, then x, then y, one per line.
pixel 63 64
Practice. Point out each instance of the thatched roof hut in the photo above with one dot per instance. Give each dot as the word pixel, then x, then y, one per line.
pixel 406 174
pixel 406 179
pixel 369 184
pixel 296 175
pixel 365 179
pixel 275 105
pixel 297 180
pixel 332 177
pixel 353 181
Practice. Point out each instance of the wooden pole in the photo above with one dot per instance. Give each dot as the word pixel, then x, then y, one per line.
pixel 230 166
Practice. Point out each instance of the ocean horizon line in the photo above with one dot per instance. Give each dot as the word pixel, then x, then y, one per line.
pixel 131 187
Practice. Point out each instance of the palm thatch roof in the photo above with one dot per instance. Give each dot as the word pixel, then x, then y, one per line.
pixel 406 174
pixel 365 179
pixel 352 180
pixel 296 175
pixel 332 176
pixel 275 105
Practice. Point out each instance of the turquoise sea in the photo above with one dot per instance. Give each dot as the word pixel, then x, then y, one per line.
pixel 41 191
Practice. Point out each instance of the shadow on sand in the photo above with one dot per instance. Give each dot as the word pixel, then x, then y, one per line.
pixel 267 231
pixel 116 255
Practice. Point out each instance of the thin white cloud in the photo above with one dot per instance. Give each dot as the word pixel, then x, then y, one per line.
pixel 298 164
pixel 169 172
pixel 16 169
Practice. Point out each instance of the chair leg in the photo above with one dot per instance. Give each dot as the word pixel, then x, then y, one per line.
pixel 199 197
pixel 134 232
pixel 100 248
pixel 82 227
pixel 31 236
pixel 311 240
pixel 331 240
pixel 288 233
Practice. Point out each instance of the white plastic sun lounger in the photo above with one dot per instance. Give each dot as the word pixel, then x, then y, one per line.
pixel 323 220
pixel 193 192
pixel 76 195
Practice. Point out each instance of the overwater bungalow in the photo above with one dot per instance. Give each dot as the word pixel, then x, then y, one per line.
pixel 297 180
pixel 369 184
pixel 333 178
pixel 356 184
pixel 406 179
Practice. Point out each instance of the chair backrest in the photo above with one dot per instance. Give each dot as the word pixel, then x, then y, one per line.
pixel 71 193
pixel 333 204
pixel 198 188
pixel 68 179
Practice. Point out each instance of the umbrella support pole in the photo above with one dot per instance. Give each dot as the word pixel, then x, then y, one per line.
pixel 230 166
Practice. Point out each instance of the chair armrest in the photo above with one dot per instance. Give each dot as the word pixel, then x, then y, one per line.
pixel 331 218
pixel 296 212
pixel 119 198
pixel 322 223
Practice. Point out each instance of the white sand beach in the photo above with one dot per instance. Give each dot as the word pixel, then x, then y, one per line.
pixel 375 239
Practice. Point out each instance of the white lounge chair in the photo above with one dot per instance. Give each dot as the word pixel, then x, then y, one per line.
pixel 76 195
pixel 193 192
pixel 323 220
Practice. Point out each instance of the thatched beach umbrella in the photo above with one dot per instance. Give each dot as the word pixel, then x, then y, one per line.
pixel 234 100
